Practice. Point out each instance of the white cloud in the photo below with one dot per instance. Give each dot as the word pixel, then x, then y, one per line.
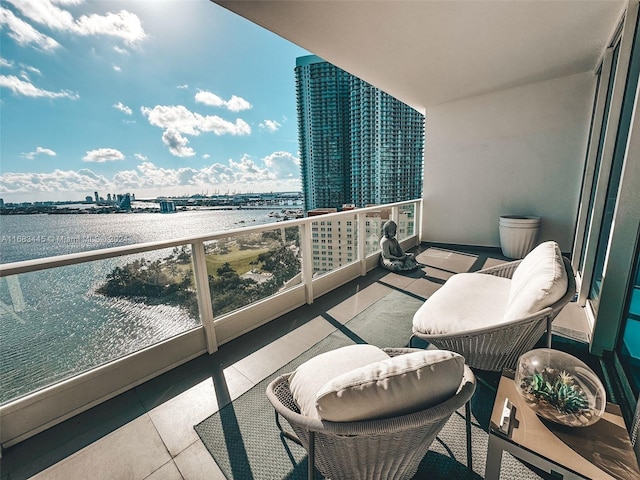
pixel 25 34
pixel 102 155
pixel 52 182
pixel 178 121
pixel 45 13
pixel 123 24
pixel 185 86
pixel 140 156
pixel 117 68
pixel 283 165
pixel 209 98
pixel 26 69
pixel 27 89
pixel 235 103
pixel 120 50
pixel 176 143
pixel 39 150
pixel 68 2
pixel 270 125
pixel 123 108
pixel 31 69
pixel 279 173
pixel 206 155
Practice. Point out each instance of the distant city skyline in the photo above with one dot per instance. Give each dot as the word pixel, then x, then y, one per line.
pixel 165 98
pixel 112 196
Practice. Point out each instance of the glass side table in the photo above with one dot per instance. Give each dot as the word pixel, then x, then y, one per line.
pixel 600 451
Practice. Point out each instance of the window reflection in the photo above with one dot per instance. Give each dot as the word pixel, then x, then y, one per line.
pixel 629 346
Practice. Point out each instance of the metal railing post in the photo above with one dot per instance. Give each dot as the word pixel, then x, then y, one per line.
pixel 395 214
pixel 307 261
pixel 203 295
pixel 362 242
pixel 418 221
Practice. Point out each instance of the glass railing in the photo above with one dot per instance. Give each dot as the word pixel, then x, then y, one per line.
pixel 67 315
pixel 334 242
pixel 406 221
pixel 60 322
pixel 248 267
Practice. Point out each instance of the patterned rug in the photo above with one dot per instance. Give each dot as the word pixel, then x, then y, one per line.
pixel 243 439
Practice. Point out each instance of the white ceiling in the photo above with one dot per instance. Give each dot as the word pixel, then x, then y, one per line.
pixel 427 52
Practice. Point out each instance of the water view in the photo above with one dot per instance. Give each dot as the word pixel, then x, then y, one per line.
pixel 59 322
pixel 25 237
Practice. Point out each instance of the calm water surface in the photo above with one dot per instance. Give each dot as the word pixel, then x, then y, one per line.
pixel 25 237
pixel 53 325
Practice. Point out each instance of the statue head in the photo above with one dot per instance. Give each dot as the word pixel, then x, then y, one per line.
pixel 389 229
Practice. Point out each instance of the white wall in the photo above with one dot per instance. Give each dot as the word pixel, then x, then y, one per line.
pixel 519 151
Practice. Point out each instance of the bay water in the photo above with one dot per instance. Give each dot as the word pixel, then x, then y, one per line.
pixel 54 325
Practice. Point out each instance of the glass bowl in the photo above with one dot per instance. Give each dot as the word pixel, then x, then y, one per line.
pixel 560 387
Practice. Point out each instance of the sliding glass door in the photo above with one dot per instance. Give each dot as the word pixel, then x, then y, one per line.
pixel 615 175
pixel 606 74
pixel 629 341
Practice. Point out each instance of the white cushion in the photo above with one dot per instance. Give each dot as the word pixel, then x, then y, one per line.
pixel 465 302
pixel 309 377
pixel 539 281
pixel 399 385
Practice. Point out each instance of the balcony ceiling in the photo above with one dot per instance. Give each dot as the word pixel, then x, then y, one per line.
pixel 428 52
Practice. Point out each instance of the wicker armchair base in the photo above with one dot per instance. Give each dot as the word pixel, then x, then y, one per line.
pixel 390 448
pixel 500 346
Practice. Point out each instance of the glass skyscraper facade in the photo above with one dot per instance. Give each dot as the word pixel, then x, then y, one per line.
pixel 358 145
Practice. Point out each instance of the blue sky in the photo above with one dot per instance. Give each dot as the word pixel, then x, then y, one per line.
pixel 153 97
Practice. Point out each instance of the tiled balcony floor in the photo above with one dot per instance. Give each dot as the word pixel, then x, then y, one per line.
pixel 147 432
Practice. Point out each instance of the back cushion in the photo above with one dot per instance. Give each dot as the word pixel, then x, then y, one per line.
pixel 539 281
pixel 397 386
pixel 309 377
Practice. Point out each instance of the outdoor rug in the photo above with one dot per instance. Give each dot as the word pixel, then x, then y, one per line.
pixel 243 439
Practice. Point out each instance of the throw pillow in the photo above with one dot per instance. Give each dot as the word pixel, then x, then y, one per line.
pixel 396 386
pixel 309 377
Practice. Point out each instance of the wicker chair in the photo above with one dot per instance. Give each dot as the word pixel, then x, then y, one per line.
pixel 390 448
pixel 496 347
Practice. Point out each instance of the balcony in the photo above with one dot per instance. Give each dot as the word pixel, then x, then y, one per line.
pixel 520 120
pixel 124 315
pixel 147 432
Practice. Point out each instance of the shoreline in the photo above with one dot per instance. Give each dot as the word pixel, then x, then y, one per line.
pixel 106 210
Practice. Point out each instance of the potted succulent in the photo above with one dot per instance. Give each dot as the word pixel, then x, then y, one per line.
pixel 560 387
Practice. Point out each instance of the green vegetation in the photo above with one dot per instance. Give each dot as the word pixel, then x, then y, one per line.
pixel 557 389
pixel 159 282
pixel 241 261
pixel 170 281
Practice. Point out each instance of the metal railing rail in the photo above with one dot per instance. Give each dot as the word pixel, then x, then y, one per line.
pixel 26 266
pixel 48 406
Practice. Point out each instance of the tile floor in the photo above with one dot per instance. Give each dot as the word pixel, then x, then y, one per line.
pixel 147 432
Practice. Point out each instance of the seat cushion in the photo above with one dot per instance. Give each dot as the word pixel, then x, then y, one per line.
pixel 309 377
pixel 539 281
pixel 396 386
pixel 466 301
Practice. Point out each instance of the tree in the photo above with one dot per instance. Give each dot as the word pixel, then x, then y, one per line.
pixel 281 262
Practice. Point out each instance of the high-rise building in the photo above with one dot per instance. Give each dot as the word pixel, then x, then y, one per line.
pixel 358 145
pixel 334 242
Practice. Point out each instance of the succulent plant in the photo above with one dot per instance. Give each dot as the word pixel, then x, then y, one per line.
pixel 558 389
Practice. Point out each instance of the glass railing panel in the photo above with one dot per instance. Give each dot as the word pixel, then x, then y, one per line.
pixel 334 243
pixel 374 221
pixel 249 267
pixel 406 221
pixel 60 322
